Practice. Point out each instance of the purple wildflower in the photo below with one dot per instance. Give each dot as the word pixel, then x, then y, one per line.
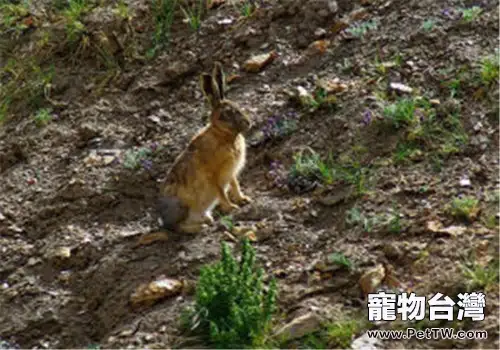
pixel 275 164
pixel 446 12
pixel 367 117
pixel 154 146
pixel 147 164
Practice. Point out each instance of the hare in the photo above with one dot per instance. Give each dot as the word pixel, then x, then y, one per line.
pixel 205 173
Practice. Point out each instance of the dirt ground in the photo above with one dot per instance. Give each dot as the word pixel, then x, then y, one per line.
pixel 72 210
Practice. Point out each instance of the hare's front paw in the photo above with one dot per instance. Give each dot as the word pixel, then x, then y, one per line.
pixel 244 200
pixel 226 208
pixel 208 219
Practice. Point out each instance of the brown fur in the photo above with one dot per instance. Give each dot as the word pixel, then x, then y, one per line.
pixel 205 173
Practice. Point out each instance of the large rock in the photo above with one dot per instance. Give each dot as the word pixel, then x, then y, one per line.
pixel 299 327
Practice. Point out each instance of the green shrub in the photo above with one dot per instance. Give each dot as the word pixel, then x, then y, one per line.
pixel 231 308
pixel 401 113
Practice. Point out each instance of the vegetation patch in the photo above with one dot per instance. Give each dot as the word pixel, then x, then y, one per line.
pixel 309 170
pixel 390 221
pixel 465 208
pixel 232 308
pixel 423 130
pixel 333 335
pixel 24 81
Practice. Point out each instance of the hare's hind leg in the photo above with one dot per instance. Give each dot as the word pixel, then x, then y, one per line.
pixel 196 221
pixel 236 194
pixel 225 204
pixel 192 227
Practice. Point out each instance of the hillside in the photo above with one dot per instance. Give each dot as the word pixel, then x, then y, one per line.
pixel 373 159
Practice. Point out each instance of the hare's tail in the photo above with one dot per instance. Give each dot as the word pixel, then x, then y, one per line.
pixel 170 211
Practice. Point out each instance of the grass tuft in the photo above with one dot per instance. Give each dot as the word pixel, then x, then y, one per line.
pixel 163 16
pixel 194 14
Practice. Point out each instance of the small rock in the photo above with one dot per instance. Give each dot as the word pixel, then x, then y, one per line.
pixel 2 217
pixel 108 159
pixel 256 63
pixel 59 253
pixel 225 21
pixel 87 132
pixel 465 182
pixel 437 227
pixel 175 71
pixel 305 98
pixel 365 342
pixel 372 279
pixel 92 159
pixel 317 47
pixel 401 88
pixel 319 33
pixel 300 327
pixel 33 261
pixel 331 86
pixel 155 119
pixel 359 14
pixel 15 228
pixel 160 289
pixel 339 26
pixel 392 251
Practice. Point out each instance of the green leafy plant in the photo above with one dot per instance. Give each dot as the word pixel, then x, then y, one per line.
pixel 464 208
pixel 322 99
pixel 334 335
pixel 319 99
pixel 163 16
pixel 73 14
pixel 4 107
pixel 360 29
pixel 11 14
pixel 401 113
pixel 245 7
pixel 194 15
pixel 428 25
pixel 340 260
pixel 424 131
pixel 481 277
pixel 232 309
pixel 351 170
pixel 122 10
pixel 356 217
pixel 134 158
pixel 24 82
pixel 311 166
pixel 227 222
pixel 43 116
pixel 489 69
pixel 340 334
pixel 470 14
pixel 394 224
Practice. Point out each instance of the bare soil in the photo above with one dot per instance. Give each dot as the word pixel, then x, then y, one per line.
pixel 69 226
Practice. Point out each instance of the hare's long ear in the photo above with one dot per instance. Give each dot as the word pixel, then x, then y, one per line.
pixel 210 89
pixel 220 78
